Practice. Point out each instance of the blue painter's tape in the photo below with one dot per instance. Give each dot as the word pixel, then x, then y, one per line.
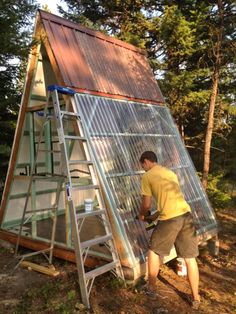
pixel 61 89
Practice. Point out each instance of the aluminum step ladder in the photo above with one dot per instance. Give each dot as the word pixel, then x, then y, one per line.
pixel 78 218
pixel 86 279
pixel 30 211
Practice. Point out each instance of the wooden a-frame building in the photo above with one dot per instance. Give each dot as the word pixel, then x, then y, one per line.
pixel 125 111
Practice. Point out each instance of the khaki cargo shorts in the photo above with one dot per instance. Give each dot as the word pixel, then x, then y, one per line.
pixel 178 231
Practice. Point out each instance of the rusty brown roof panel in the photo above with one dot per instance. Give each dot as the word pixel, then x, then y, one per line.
pixel 57 50
pixel 59 20
pixel 92 61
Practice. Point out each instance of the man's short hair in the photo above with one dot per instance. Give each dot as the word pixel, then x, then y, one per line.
pixel 149 155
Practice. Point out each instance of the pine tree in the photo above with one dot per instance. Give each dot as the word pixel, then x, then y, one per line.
pixel 15 25
pixel 216 41
pixel 191 48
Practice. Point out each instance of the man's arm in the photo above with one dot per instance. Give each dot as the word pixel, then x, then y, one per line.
pixel 145 206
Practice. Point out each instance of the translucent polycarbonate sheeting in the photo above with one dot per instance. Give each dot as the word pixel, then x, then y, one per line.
pixel 120 131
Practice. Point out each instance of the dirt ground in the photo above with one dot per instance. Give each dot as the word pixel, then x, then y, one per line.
pixel 25 291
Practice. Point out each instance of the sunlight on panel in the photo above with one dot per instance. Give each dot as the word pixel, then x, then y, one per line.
pixel 120 131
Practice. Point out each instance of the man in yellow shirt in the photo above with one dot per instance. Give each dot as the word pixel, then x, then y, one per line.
pixel 174 226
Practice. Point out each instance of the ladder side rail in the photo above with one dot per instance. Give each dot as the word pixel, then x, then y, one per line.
pixel 56 203
pixel 33 169
pixel 23 217
pixel 54 213
pixel 93 173
pixel 103 180
pixel 72 211
pixel 55 207
pixel 78 254
pixel 89 155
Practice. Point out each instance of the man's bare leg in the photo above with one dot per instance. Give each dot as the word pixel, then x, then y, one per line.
pixel 193 277
pixel 153 269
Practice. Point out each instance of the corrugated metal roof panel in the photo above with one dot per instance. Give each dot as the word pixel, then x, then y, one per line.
pixel 91 61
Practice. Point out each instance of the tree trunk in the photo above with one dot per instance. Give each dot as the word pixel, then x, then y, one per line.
pixel 208 138
pixel 215 83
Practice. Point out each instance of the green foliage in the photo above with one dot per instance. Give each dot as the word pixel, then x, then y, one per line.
pixel 124 20
pixel 115 283
pixel 180 38
pixel 220 191
pixel 44 297
pixel 177 35
pixel 71 294
pixel 48 291
pixel 25 302
pixel 15 24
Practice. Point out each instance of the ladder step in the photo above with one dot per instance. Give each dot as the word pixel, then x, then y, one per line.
pixel 88 214
pixel 85 187
pixel 45 115
pixel 80 162
pixel 96 241
pixel 101 270
pixel 68 113
pixel 40 210
pixel 55 178
pixel 49 151
pixel 17 228
pixel 25 231
pixel 72 137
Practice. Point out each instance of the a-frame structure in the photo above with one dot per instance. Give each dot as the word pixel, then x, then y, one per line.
pixel 123 108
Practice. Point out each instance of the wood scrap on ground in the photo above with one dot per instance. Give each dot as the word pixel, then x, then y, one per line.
pixel 42 269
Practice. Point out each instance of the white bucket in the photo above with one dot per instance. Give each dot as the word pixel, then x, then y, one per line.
pixel 88 204
pixel 181 267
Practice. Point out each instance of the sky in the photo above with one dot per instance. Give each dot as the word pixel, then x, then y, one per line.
pixel 52 4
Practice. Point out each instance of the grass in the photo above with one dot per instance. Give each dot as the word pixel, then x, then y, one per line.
pixel 4 250
pixel 56 296
pixel 115 283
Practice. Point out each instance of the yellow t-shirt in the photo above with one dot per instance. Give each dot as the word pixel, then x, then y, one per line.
pixel 163 185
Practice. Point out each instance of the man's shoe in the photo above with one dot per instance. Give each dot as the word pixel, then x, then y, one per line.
pixel 195 304
pixel 152 294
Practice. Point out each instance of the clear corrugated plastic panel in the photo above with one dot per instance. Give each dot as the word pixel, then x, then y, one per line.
pixel 120 131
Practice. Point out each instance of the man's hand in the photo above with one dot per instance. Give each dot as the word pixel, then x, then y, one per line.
pixel 144 209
